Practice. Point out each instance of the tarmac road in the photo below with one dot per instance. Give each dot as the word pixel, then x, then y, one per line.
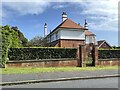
pixel 56 75
pixel 88 83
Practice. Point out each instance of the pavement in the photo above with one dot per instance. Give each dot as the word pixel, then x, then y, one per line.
pixel 88 83
pixel 13 79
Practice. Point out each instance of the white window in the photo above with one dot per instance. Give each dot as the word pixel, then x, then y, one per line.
pixel 52 37
pixel 56 35
pixel 90 39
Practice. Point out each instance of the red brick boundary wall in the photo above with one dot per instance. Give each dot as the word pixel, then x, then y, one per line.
pixel 96 61
pixel 95 55
pixel 79 62
pixel 104 62
pixel 108 62
pixel 44 63
pixel 82 56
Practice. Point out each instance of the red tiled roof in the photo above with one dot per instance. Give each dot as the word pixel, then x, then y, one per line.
pixel 70 24
pixel 88 33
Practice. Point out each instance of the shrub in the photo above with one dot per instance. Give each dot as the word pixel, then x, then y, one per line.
pixel 105 54
pixel 41 53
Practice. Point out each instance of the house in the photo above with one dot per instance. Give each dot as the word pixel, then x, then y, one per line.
pixel 69 34
pixel 103 44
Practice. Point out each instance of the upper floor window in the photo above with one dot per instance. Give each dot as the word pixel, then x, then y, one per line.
pixel 91 39
pixel 56 35
pixel 52 38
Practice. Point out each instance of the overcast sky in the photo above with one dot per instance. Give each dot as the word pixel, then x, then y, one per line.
pixel 30 16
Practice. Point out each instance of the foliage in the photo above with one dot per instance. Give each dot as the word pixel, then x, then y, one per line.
pixel 105 54
pixel 45 42
pixel 89 60
pixel 115 47
pixel 109 49
pixel 9 39
pixel 22 40
pixel 36 41
pixel 0 47
pixel 41 53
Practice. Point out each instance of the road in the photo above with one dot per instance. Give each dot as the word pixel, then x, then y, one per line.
pixel 89 83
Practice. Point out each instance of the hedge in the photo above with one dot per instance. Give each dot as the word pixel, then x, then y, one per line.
pixel 41 53
pixel 106 54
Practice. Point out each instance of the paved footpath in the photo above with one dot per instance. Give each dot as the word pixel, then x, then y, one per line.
pixel 56 75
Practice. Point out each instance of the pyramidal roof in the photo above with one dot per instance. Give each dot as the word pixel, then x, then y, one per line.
pixel 88 33
pixel 70 24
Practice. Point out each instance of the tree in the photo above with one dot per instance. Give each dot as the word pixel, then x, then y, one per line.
pixel 22 40
pixel 9 39
pixel 36 41
pixel 0 47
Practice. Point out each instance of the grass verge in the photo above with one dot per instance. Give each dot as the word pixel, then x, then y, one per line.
pixel 52 69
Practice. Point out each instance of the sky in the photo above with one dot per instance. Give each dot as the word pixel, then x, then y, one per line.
pixel 31 15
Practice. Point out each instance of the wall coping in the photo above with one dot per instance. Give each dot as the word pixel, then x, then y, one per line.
pixel 41 60
pixel 109 59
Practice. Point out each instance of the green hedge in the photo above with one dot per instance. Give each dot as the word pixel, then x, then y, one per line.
pixel 41 53
pixel 106 54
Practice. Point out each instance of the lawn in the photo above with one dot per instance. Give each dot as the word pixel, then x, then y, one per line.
pixel 51 69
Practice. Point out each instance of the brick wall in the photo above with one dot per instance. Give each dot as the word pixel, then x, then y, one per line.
pixel 44 63
pixel 108 62
pixel 67 62
pixel 71 43
pixel 104 62
pixel 66 43
pixel 54 43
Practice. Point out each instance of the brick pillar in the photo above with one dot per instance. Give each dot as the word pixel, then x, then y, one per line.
pixel 82 56
pixel 78 56
pixel 95 55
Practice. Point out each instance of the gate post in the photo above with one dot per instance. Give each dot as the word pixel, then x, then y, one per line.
pixel 82 55
pixel 95 55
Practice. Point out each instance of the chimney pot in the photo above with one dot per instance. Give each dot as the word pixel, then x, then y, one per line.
pixel 64 16
pixel 45 29
pixel 86 25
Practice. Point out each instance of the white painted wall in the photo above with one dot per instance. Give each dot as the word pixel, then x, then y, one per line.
pixel 54 36
pixel 67 34
pixel 90 39
pixel 72 34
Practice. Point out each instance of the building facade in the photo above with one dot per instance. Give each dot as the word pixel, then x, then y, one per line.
pixel 102 44
pixel 69 34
